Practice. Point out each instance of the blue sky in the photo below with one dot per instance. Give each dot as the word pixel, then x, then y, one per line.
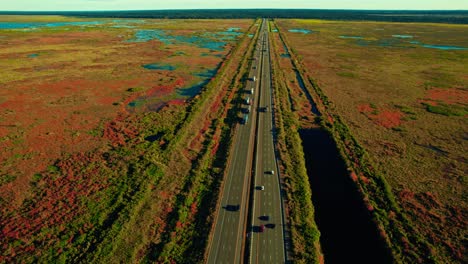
pixel 60 5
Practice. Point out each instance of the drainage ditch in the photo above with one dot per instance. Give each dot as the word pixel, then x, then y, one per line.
pixel 348 234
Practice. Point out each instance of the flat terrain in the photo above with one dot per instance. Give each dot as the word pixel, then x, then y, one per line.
pixel 61 83
pixel 92 112
pixel 402 89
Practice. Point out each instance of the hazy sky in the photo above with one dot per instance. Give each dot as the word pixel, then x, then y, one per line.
pixel 57 5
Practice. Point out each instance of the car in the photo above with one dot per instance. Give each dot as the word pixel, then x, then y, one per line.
pixel 261 228
pixel 232 207
pixel 261 188
pixel 264 218
pixel 272 172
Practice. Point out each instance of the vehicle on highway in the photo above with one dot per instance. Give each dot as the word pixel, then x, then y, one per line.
pixel 245 119
pixel 264 218
pixel 261 228
pixel 261 188
pixel 270 172
pixel 232 207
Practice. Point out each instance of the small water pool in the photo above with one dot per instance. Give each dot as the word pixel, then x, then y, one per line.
pixel 300 30
pixel 34 55
pixel 443 47
pixel 351 37
pixel 233 29
pixel 208 40
pixel 159 66
pixel 403 36
pixel 193 90
pixel 21 25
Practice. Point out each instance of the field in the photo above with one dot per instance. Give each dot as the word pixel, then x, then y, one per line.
pixel 98 117
pixel 399 91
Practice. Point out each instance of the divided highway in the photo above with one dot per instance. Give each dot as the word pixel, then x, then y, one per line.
pixel 267 241
pixel 231 232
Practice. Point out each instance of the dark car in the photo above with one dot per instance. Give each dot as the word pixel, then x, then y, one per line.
pixel 233 208
pixel 264 218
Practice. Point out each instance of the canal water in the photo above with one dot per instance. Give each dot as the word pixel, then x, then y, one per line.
pixel 347 233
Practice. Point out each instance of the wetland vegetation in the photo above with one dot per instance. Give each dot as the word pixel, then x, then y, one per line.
pixel 115 128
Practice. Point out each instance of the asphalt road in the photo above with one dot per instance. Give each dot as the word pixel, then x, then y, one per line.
pixel 267 245
pixel 226 245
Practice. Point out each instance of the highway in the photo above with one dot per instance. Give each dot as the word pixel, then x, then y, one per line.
pixel 267 240
pixel 226 245
pixel 244 171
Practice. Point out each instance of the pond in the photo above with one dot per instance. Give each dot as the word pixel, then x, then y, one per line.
pixel 300 30
pixel 159 66
pixel 351 37
pixel 443 47
pixel 21 25
pixel 116 23
pixel 402 36
pixel 193 90
pixel 208 40
pixel 34 55
pixel 400 41
pixel 155 102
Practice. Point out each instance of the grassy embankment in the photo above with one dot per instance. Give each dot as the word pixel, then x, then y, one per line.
pixel 134 194
pixel 299 209
pixel 394 225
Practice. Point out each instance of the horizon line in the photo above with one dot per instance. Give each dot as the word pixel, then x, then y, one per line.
pixel 227 9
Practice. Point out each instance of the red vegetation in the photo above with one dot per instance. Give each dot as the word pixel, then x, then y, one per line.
pixel 353 176
pixel 365 108
pixel 448 96
pixel 385 118
pixel 427 208
pixel 364 179
pixel 56 206
pixel 119 131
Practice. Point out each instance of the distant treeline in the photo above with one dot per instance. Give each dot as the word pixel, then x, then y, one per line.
pixel 455 17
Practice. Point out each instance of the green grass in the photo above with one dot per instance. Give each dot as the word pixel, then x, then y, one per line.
pixel 447 110
pixel 305 235
pixel 4 179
